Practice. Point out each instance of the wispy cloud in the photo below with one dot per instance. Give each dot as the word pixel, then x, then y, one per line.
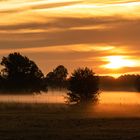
pixel 21 7
pixel 57 32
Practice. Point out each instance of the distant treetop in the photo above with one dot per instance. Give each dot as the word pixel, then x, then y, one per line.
pixel 58 77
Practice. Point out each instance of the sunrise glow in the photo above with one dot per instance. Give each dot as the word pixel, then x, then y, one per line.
pixel 117 62
pixel 98 34
pixel 69 69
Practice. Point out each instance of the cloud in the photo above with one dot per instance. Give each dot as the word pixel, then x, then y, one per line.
pixel 115 31
pixel 109 1
pixel 65 22
pixel 51 39
pixel 121 71
pixel 34 6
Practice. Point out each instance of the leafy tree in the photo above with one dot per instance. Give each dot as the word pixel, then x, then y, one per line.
pixel 57 78
pixel 50 79
pixel 83 86
pixel 21 74
pixel 60 72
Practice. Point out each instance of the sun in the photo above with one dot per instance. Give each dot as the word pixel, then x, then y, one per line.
pixel 117 62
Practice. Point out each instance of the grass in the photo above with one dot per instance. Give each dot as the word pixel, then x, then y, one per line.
pixel 61 122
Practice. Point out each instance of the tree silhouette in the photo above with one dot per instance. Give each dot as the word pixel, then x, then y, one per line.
pixel 21 74
pixel 138 84
pixel 61 72
pixel 57 78
pixel 125 82
pixel 83 86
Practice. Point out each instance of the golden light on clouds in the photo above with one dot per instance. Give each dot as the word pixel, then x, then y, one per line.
pixel 117 62
pixel 100 34
pixel 85 9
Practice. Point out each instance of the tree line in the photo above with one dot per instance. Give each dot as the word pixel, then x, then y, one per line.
pixel 123 83
pixel 19 74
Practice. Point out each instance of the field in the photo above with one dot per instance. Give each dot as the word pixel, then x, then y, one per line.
pixel 59 122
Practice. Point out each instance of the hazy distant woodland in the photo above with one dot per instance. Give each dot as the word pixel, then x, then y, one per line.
pixel 123 83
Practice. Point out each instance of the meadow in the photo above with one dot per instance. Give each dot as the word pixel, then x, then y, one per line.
pixel 62 122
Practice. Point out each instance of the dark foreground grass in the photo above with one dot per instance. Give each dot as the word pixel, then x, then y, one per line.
pixel 59 122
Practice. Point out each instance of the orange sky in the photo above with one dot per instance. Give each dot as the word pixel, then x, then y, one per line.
pixel 103 35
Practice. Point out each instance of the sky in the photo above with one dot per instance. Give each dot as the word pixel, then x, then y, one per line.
pixel 103 35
